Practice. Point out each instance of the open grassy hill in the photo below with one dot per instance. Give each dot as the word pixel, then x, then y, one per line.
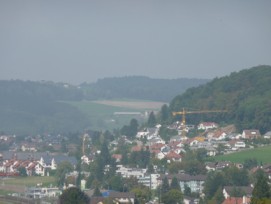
pixel 261 154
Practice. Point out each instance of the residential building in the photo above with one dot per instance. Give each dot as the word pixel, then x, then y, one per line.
pixel 207 126
pixel 130 172
pixel 150 180
pixel 194 182
pixel 251 134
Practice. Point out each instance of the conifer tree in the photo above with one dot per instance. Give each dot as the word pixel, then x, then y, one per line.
pixel 165 185
pixel 175 184
pixel 151 120
pixel 261 189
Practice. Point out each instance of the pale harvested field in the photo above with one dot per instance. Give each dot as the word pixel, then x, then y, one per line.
pixel 12 188
pixel 133 104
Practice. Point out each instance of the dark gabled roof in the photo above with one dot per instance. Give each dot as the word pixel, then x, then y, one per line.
pixel 7 155
pixel 61 158
pixel 247 190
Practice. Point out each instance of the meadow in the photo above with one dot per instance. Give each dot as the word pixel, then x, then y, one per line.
pixel 101 114
pixel 18 184
pixel 261 154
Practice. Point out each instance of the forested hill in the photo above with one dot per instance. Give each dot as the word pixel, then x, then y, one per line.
pixel 246 95
pixel 139 87
pixel 34 107
pixel 28 107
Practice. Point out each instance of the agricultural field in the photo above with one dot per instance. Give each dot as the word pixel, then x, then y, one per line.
pixel 18 185
pixel 261 154
pixel 111 114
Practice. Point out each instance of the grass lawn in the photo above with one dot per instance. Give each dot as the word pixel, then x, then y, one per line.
pixel 30 181
pixel 5 192
pixel 261 154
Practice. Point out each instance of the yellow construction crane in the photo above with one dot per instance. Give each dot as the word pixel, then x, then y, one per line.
pixel 184 112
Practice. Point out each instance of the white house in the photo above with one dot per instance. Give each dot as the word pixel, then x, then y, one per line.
pixel 240 144
pixel 150 180
pixel 251 134
pixel 130 172
pixel 207 126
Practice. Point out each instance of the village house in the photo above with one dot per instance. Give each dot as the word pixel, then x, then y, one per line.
pixel 126 172
pixel 251 134
pixel 117 157
pixel 155 140
pixel 149 180
pixel 207 125
pixel 173 156
pixel 37 192
pixel 217 135
pixel 228 191
pixel 237 200
pixel 148 133
pixel 28 147
pixel 267 135
pixel 176 138
pixel 194 182
pixel 234 145
pixel 34 163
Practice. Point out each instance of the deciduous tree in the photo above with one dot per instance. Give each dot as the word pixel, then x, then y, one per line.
pixel 73 195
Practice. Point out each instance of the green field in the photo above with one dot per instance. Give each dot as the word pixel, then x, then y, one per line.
pixel 101 113
pixel 261 154
pixel 19 185
pixel 30 181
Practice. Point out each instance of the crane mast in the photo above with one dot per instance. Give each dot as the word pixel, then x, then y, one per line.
pixel 184 112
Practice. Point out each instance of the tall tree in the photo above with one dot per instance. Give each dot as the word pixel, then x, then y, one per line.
pixel 172 197
pixel 213 182
pixel 218 197
pixel 63 168
pixel 97 192
pixel 133 127
pixel 105 155
pixel 165 185
pixel 164 114
pixel 142 194
pixel 237 177
pixel 73 195
pixel 175 184
pixel 261 189
pixel 187 190
pixel 151 120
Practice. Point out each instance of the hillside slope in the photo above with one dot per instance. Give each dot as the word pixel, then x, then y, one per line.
pixel 34 107
pixel 246 95
pixel 139 87
pixel 28 107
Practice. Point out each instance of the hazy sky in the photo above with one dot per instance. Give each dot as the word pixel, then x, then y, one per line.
pixel 83 40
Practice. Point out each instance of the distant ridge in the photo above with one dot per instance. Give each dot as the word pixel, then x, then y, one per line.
pixel 139 87
pixel 28 107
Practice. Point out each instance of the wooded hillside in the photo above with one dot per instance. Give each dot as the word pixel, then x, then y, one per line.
pixel 28 107
pixel 246 95
pixel 139 87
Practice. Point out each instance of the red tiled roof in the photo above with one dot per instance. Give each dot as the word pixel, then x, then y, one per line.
pixel 136 149
pixel 173 155
pixel 117 156
pixel 236 200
